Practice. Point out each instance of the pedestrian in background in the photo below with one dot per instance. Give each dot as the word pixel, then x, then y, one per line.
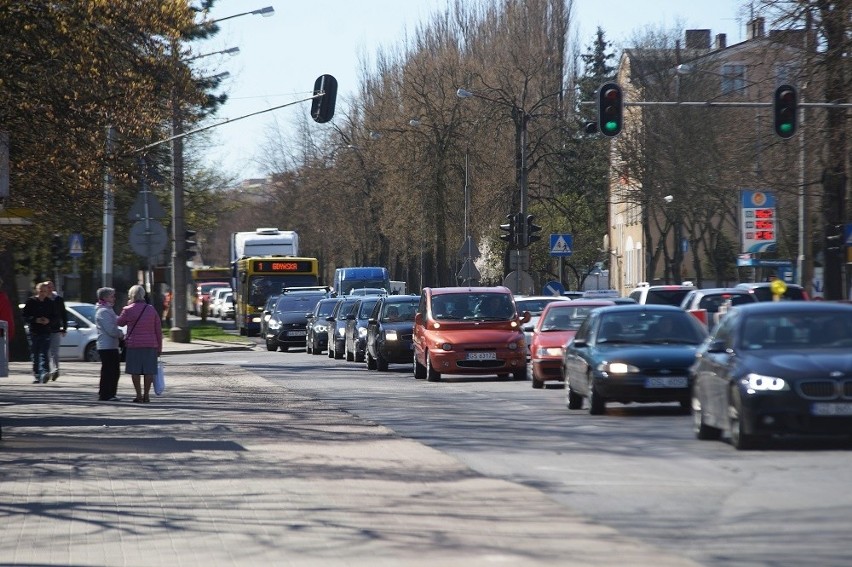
pixel 144 341
pixel 58 329
pixel 109 335
pixel 39 313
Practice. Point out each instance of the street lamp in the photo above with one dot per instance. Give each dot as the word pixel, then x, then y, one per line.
pixel 179 331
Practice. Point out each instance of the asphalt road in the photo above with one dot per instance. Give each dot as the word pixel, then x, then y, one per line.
pixel 637 469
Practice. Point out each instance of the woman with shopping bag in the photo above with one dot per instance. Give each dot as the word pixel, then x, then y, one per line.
pixel 144 341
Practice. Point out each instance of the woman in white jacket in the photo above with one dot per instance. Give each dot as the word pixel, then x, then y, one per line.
pixel 109 336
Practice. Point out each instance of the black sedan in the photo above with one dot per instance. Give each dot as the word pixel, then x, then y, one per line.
pixel 775 368
pixel 631 353
pixel 317 326
pixel 355 334
pixel 287 327
pixel 389 331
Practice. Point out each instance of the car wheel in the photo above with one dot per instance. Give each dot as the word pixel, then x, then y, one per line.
pixel 309 346
pixel 597 403
pixel 431 374
pixel 316 349
pixel 338 354
pixel 91 353
pixel 739 438
pixel 519 374
pixel 702 431
pixel 537 384
pixel 359 357
pixel 271 346
pixel 575 400
pixel 371 362
pixel 284 348
pixel 419 369
pixel 381 362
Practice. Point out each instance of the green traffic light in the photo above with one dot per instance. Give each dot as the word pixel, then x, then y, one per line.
pixel 610 126
pixel 785 128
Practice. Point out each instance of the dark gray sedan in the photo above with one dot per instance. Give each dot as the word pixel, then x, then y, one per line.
pixel 775 368
pixel 389 331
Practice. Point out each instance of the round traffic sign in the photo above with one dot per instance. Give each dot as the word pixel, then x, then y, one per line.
pixel 148 241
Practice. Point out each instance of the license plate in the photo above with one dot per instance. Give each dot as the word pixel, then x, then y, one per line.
pixel 297 333
pixel 482 356
pixel 666 382
pixel 831 409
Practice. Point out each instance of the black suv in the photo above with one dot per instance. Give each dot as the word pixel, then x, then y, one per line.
pixel 287 326
pixel 355 336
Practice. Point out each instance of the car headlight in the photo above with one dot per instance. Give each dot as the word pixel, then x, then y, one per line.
pixel 362 332
pixel 391 335
pixel 617 368
pixel 548 351
pixel 342 332
pixel 320 328
pixel 274 324
pixel 760 383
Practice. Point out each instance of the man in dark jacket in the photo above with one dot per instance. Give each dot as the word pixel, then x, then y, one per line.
pixel 58 329
pixel 39 313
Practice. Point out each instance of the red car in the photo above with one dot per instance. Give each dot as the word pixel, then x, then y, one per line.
pixel 555 328
pixel 469 330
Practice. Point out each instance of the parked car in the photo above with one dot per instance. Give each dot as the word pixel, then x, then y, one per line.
pixel 646 294
pixel 337 326
pixel 469 330
pixel 217 295
pixel 229 310
pixel 708 305
pixel 287 325
pixel 775 368
pixel 80 342
pixel 389 331
pixel 202 295
pixel 762 291
pixel 535 305
pixel 631 353
pixel 355 334
pixel 316 339
pixel 555 328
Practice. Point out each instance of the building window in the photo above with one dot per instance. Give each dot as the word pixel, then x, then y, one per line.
pixel 733 78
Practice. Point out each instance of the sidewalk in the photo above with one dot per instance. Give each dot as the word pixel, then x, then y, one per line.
pixel 227 468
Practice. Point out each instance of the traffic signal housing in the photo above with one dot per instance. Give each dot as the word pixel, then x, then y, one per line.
pixel 785 105
pixel 610 109
pixel 322 107
pixel 511 230
pixel 189 251
pixel 532 230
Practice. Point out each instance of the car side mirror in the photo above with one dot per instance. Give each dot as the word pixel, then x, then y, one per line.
pixel 716 346
pixel 309 315
pixel 372 321
pixel 525 317
pixel 418 318
pixel 329 319
pixel 579 343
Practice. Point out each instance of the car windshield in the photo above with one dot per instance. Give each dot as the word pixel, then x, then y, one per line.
pixel 801 330
pixel 565 318
pixel 297 303
pixel 534 306
pixel 712 303
pixel 366 308
pixel 87 311
pixel 666 296
pixel 324 308
pixel 393 312
pixel 482 306
pixel 642 327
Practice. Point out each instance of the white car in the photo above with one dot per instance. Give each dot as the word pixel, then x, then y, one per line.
pixel 217 295
pixel 535 305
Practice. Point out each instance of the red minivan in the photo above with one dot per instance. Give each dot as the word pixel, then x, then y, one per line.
pixel 469 330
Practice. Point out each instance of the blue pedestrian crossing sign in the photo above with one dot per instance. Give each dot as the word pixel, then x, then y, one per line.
pixel 561 244
pixel 75 245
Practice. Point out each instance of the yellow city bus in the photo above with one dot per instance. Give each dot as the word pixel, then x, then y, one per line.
pixel 257 278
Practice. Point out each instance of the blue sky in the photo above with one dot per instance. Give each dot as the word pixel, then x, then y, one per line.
pixel 281 55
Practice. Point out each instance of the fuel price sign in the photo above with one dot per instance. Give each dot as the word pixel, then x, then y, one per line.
pixel 757 221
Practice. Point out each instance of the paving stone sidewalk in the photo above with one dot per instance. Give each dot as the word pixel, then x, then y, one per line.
pixel 228 468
